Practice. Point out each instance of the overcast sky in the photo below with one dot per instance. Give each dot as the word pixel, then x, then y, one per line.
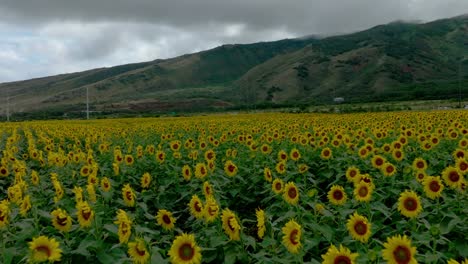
pixel 46 37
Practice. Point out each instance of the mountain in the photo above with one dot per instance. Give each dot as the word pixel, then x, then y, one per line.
pixel 397 61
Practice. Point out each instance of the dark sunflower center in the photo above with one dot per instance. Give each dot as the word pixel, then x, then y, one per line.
pixel 326 153
pixel 379 162
pixel 293 237
pixel 62 220
pixel 360 227
pixel 338 195
pixel 420 176
pixel 402 255
pixel 231 168
pixel 278 186
pixel 410 204
pixel 229 223
pixel 197 206
pixel 454 177
pixel 128 195
pixel 166 219
pixel 44 249
pixel 3 171
pixel 202 171
pixel 296 155
pixel 283 156
pixel 434 186
pixel 140 252
pixel 129 160
pixel 86 214
pixel 352 173
pixel 363 191
pixel 420 164
pixel 212 210
pixel 390 169
pixel 186 252
pixel 398 154
pixel 85 171
pixel 292 193
pixel 342 260
pixel 463 166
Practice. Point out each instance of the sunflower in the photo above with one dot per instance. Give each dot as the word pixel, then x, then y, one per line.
pixel 210 155
pixel 352 173
pixel 363 191
pixel 128 195
pixel 61 220
pixel 85 171
pixel 419 164
pixel 281 167
pixel 165 219
pixel 398 250
pixel 186 172
pixel 116 169
pixel 25 205
pixel 267 174
pixel 34 177
pixel 359 227
pixel 196 207
pixel 260 223
pixel 211 209
pixel 230 224
pixel 184 250
pixel 277 186
pixel 377 161
pixel 294 154
pixel 105 184
pixel 85 214
pixel 462 165
pixel 125 226
pixel 43 249
pixel 342 255
pixel 409 204
pixel 207 189
pixel 282 156
pixel 200 170
pixel 337 195
pixel 363 152
pixel 3 171
pixel 160 156
pixel 266 149
pixel 138 251
pixel 303 168
pixel 433 187
pixel 388 169
pixel 230 168
pixel 4 212
pixel 291 193
pixel 326 153
pixel 175 145
pixel 398 155
pixel 129 160
pixel 292 236
pixel 145 180
pixel 420 176
pixel 452 177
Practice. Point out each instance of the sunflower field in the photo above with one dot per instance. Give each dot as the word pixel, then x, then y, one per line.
pixel 245 188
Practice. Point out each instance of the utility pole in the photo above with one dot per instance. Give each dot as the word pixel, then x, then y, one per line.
pixel 87 102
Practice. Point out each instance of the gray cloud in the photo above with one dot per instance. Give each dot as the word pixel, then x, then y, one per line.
pixel 44 37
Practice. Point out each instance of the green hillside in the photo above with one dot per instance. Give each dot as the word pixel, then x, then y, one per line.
pixel 397 61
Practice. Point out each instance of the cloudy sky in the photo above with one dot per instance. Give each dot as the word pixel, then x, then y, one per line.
pixel 45 37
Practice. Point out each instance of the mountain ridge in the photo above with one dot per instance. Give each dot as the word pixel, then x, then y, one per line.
pixel 395 61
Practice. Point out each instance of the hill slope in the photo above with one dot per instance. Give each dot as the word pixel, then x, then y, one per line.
pixel 394 61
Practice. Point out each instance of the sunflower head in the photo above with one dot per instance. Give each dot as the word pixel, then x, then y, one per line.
pixel 291 193
pixel 398 250
pixel 165 219
pixel 85 214
pixel 363 191
pixel 277 186
pixel 201 170
pixel 196 207
pixel 145 180
pixel 230 224
pixel 230 168
pixel 61 220
pixel 433 187
pixel 260 223
pixel 341 255
pixel 352 174
pixel 409 204
pixel 388 169
pixel 128 195
pixel 138 251
pixel 337 195
pixel 292 236
pixel 211 209
pixel 326 153
pixel 419 164
pixel 43 249
pixel 186 172
pixel 184 250
pixel 452 177
pixel 359 227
